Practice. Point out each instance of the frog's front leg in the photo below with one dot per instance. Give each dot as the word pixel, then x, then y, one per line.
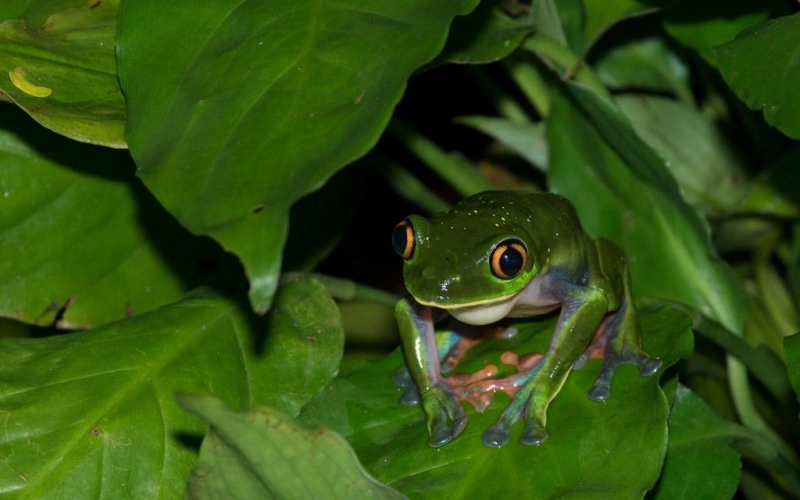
pixel 452 344
pixel 582 310
pixel 446 417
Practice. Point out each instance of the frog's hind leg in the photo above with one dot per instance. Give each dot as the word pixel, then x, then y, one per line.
pixel 617 341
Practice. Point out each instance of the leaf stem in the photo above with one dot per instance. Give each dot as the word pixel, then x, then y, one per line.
pixel 531 83
pixel 458 171
pixel 506 106
pixel 411 188
pixel 565 62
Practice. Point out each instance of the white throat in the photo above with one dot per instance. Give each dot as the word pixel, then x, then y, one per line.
pixel 484 314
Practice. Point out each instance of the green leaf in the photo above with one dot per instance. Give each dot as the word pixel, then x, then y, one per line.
pixel 94 412
pixel 698 437
pixel 486 35
pixel 703 162
pixel 646 63
pixel 545 14
pixel 791 346
pixel 622 189
pixel 525 139
pixel 764 364
pixel 298 346
pixel 777 189
pixel 600 15
pixel 57 62
pixel 761 65
pixel 262 104
pixel 80 234
pixel 704 25
pixel 609 450
pixel 262 453
pixel 571 16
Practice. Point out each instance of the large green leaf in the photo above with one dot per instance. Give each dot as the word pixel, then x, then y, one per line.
pixel 761 66
pixel 609 450
pixel 262 453
pixel 647 63
pixel 698 437
pixel 79 233
pixel 525 139
pixel 57 63
pixel 585 21
pixel 486 35
pixel 239 108
pixel 600 15
pixel 93 415
pixel 704 25
pixel 704 163
pixel 622 189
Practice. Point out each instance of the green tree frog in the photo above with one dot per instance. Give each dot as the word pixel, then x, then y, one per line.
pixel 510 254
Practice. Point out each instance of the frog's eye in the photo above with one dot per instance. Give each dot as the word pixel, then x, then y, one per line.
pixel 403 239
pixel 508 259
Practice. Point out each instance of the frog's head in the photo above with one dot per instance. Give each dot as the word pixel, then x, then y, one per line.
pixel 476 257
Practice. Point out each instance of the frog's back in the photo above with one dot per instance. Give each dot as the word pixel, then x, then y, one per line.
pixel 546 215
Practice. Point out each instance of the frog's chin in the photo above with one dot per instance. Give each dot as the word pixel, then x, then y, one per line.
pixel 483 314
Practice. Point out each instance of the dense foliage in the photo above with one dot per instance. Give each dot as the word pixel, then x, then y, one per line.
pixel 196 282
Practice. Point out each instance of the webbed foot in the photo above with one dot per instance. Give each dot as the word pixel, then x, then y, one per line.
pixel 601 389
pixel 617 341
pixel 496 436
pixel 446 417
pixel 402 378
pixel 530 402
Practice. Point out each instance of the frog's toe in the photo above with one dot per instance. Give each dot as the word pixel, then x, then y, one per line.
pixel 442 433
pixel 496 436
pixel 533 435
pixel 581 361
pixel 410 397
pixel 647 365
pixel 402 377
pixel 600 391
pixel 446 417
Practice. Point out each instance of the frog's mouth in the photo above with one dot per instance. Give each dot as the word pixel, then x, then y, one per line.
pixel 481 312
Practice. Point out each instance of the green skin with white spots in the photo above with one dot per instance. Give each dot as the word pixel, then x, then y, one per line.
pixel 450 271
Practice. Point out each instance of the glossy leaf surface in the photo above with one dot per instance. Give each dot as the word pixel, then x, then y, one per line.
pixel 57 63
pixel 262 104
